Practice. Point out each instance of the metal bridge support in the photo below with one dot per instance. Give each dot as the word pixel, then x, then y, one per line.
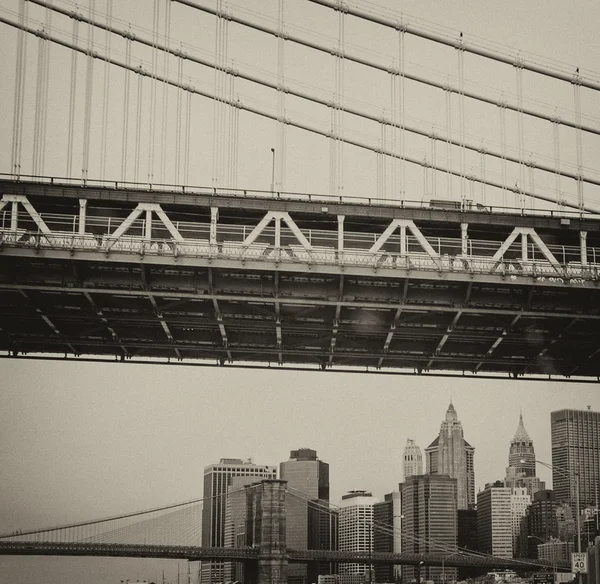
pixel 266 530
pixel 82 215
pixel 583 247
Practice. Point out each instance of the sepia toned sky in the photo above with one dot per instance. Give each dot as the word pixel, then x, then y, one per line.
pixel 89 440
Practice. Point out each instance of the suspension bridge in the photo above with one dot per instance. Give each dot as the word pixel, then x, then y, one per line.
pixel 385 230
pixel 261 523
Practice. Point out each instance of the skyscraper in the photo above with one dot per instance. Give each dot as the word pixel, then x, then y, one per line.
pixel 576 451
pixel 387 529
pixel 494 521
pixel 450 454
pixel 308 526
pixel 356 530
pixel 522 454
pixel 217 479
pixel 520 500
pixel 539 524
pixel 521 470
pixel 413 459
pixel 429 523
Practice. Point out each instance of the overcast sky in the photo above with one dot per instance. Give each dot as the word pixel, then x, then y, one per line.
pixel 81 440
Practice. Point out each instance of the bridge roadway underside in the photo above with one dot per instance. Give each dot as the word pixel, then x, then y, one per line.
pixel 137 311
pixel 213 308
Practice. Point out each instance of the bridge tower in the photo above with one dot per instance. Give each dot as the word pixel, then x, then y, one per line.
pixel 266 529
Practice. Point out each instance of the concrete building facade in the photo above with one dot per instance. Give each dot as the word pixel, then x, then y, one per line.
pixel 540 523
pixel 494 520
pixel 450 454
pixel 519 503
pixel 217 480
pixel 356 529
pixel 412 463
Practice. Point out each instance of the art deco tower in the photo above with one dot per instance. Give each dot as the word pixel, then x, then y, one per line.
pixel 413 459
pixel 522 455
pixel 450 454
pixel 521 462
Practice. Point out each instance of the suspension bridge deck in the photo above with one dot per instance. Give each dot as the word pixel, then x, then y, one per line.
pixel 194 553
pixel 140 273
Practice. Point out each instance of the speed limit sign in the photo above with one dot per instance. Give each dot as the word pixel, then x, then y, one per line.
pixel 579 563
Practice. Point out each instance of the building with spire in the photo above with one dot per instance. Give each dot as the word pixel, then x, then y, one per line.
pixel 450 454
pixel 412 463
pixel 520 472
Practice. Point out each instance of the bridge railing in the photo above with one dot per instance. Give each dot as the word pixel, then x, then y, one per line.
pixel 479 259
pixel 559 209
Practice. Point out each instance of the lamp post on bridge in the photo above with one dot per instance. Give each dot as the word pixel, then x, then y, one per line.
pixel 273 171
pixel 575 474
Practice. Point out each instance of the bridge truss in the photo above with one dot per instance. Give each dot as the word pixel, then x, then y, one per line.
pixel 141 274
pixel 459 253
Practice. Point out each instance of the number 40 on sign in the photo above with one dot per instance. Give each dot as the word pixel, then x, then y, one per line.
pixel 579 563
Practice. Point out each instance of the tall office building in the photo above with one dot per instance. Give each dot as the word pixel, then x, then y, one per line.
pixel 309 526
pixel 467 539
pixel 429 523
pixel 217 479
pixel 450 454
pixel 236 524
pixel 494 521
pixel 519 503
pixel 521 471
pixel 540 523
pixel 576 451
pixel 356 532
pixel 522 454
pixel 412 463
pixel 387 529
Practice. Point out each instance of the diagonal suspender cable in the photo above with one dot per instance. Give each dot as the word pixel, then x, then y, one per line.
pixel 313 129
pixel 374 65
pixel 481 52
pixel 302 95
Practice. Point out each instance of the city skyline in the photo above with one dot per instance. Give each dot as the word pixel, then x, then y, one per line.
pixel 165 430
pixel 88 440
pixel 529 462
